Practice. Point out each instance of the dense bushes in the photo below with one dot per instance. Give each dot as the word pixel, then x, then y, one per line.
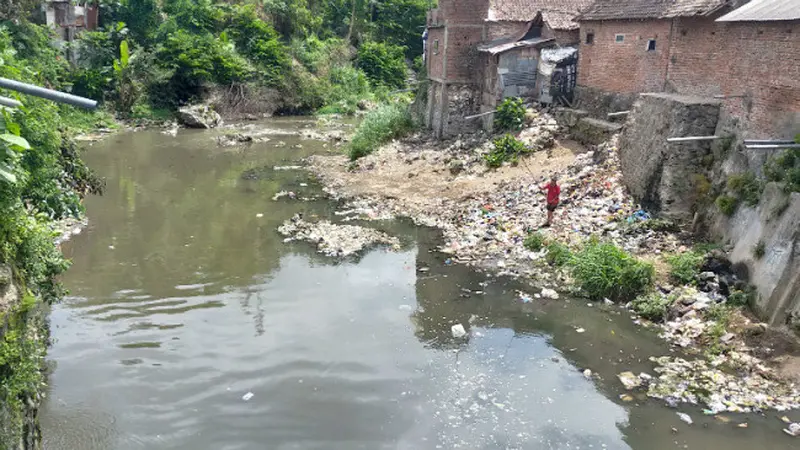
pixel 602 270
pixel 510 115
pixel 383 63
pixel 685 267
pixel 506 148
pixel 387 122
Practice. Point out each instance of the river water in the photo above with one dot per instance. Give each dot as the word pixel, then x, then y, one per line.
pixel 184 302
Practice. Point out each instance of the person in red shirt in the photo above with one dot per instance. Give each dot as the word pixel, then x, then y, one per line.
pixel 553 193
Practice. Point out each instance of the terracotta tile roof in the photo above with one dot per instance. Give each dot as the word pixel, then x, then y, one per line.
pixel 649 9
pixel 558 14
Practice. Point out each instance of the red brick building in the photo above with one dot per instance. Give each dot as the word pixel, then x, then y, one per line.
pixel 466 51
pixel 747 56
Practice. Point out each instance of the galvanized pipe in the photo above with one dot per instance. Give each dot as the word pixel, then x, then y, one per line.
pixel 48 94
pixel 10 102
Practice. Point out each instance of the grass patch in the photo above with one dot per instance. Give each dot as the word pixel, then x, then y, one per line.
pixel 785 168
pixel 603 270
pixel 558 254
pixel 685 267
pixel 381 125
pixel 506 148
pixel 652 306
pixel 740 298
pixel 727 204
pixel 760 249
pixel 534 241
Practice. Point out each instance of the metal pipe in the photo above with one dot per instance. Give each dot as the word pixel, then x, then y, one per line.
pixel 692 138
pixel 618 113
pixel 10 102
pixel 771 146
pixel 768 141
pixel 48 94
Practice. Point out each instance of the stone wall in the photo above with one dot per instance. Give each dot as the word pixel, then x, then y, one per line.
pixel 681 181
pixel 448 104
pixel 662 175
pixel 598 102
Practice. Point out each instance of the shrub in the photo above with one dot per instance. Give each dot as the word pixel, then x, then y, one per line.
pixel 760 249
pixel 506 148
pixel 652 306
pixel 746 188
pixel 685 267
pixel 383 63
pixel 259 42
pixel 785 168
pixel 727 204
pixel 558 254
pixel 534 241
pixel 387 122
pixel 738 298
pixel 510 115
pixel 603 270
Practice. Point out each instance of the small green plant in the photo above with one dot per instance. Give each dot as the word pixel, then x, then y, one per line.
pixel 727 204
pixel 785 168
pixel 387 122
pixel 558 254
pixel 603 270
pixel 746 188
pixel 652 306
pixel 685 267
pixel 506 148
pixel 534 241
pixel 760 249
pixel 510 115
pixel 739 298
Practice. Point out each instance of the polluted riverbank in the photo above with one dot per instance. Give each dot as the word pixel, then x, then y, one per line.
pixel 182 275
pixel 729 362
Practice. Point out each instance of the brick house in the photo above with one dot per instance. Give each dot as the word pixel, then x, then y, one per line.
pixel 746 56
pixel 479 51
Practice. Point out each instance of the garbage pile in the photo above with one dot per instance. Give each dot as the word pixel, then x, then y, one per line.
pixel 332 239
pixel 701 382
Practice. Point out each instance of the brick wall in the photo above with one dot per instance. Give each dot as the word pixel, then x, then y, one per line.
pixel 626 66
pixel 499 30
pixel 463 11
pixel 760 61
pixel 462 53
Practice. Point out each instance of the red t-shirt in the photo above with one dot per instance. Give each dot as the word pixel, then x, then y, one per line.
pixel 553 191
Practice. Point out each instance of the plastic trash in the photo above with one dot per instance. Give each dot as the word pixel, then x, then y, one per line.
pixel 458 330
pixel 629 380
pixel 549 293
pixel 685 417
pixel 793 430
pixel 248 396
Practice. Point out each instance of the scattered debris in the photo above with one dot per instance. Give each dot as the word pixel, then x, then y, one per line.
pixel 629 380
pixel 549 293
pixel 793 430
pixel 685 417
pixel 587 374
pixel 335 240
pixel 458 330
pixel 248 396
pixel 580 330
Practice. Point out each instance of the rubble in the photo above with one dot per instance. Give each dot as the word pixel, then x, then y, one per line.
pixel 458 330
pixel 335 240
pixel 629 380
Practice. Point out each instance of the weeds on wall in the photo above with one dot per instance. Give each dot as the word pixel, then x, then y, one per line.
pixel 785 168
pixel 760 249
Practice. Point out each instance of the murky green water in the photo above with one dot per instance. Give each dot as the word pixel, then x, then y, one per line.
pixel 183 300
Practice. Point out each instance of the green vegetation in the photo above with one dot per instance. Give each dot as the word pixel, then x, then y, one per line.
pixel 382 63
pixel 744 297
pixel 510 115
pixel 684 267
pixel 534 241
pixel 760 249
pixel 727 204
pixel 603 270
pixel 387 122
pixel 558 254
pixel 652 306
pixel 785 168
pixel 506 148
pixel 746 188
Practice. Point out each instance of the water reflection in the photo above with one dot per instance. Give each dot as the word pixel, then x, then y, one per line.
pixel 184 301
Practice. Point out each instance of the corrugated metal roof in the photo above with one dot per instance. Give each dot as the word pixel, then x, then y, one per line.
pixel 764 10
pixel 501 46
pixel 649 9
